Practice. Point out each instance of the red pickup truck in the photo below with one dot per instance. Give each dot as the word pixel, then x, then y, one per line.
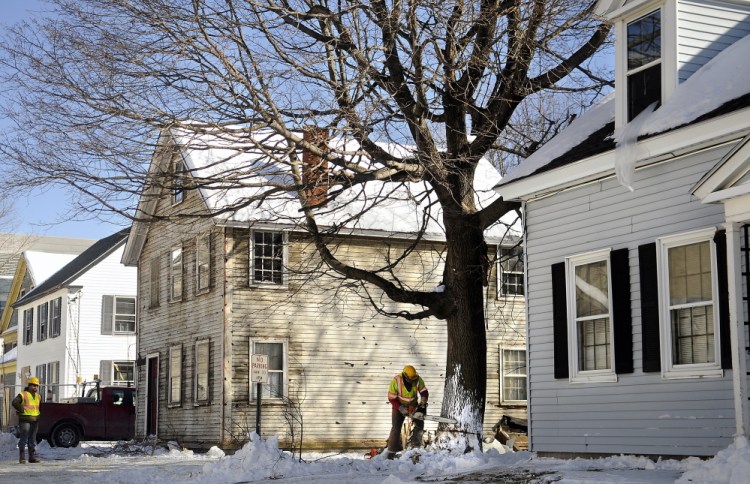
pixel 106 413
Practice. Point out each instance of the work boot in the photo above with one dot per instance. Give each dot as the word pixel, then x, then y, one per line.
pixel 21 456
pixel 32 456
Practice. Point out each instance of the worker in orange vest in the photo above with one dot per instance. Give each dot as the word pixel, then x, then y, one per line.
pixel 407 395
pixel 27 407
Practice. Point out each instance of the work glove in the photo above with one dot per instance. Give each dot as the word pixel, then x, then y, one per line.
pixel 403 410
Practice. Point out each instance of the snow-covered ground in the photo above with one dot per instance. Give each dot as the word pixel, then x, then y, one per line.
pixel 262 461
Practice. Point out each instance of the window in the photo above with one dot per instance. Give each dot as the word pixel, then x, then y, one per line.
pixel 590 328
pixel 123 373
pixel 202 365
pixel 175 271
pixel 154 282
pixel 28 326
pixel 175 375
pixel 510 271
pixel 53 381
pixel 124 315
pixel 203 262
pixel 42 319
pixel 644 63
pixel 688 305
pixel 513 377
pixel 178 189
pixel 267 257
pixel 276 351
pixel 56 317
pixel 41 373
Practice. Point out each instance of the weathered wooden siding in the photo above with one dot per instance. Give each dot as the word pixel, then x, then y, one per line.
pixel 641 413
pixel 342 355
pixel 181 323
pixel 706 28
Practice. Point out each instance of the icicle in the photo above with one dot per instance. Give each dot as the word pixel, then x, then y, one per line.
pixel 627 151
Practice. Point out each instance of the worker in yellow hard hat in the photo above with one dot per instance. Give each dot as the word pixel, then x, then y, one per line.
pixel 27 407
pixel 407 395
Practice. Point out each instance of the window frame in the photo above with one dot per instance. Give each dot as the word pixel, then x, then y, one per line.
pixel 125 383
pixel 172 272
pixel 175 351
pixel 178 185
pixel 198 372
pixel 203 244
pixel 628 72
pixel 42 321
pixel 115 313
pixel 28 326
pixel 671 370
pixel 284 260
pixel 575 374
pixel 285 365
pixel 55 324
pixel 503 349
pixel 501 271
pixel 154 288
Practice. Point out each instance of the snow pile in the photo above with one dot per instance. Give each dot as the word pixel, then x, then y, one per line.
pixel 731 465
pixel 8 446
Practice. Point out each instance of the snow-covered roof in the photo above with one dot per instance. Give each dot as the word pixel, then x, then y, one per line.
pixel 41 265
pixel 706 93
pixel 392 208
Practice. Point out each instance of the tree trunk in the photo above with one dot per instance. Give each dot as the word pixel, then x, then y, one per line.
pixel 466 365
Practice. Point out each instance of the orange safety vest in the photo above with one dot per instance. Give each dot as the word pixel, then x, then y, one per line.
pixel 409 398
pixel 31 403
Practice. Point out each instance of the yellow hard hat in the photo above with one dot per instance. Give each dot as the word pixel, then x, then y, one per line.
pixel 410 373
pixel 33 381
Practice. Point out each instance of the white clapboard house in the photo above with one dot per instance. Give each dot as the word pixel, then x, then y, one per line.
pixel 637 300
pixel 79 324
pixel 216 289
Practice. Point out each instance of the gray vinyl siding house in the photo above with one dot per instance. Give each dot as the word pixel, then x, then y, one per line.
pixel 205 308
pixel 637 301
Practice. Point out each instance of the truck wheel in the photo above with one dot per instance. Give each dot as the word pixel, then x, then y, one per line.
pixel 66 435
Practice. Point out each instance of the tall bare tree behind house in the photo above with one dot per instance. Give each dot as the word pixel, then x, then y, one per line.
pixel 446 82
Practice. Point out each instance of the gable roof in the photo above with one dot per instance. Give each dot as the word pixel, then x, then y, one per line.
pixel 377 208
pixel 718 88
pixel 76 267
pixel 728 178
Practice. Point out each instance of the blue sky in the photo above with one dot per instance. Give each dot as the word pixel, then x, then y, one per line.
pixel 46 212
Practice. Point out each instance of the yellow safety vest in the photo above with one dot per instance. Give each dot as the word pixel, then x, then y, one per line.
pixel 405 397
pixel 31 403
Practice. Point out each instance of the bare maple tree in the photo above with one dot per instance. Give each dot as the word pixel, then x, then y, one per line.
pixel 446 82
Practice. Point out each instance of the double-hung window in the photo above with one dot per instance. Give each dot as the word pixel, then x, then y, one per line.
pixel 643 63
pixel 55 317
pixel 154 286
pixel 268 258
pixel 124 315
pixel 591 356
pixel 513 377
pixel 123 373
pixel 203 263
pixel 42 321
pixel 202 371
pixel 277 367
pixel 28 326
pixel 175 376
pixel 178 187
pixel 689 322
pixel 510 271
pixel 175 272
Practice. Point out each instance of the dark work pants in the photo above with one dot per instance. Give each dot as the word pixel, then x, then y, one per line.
pixel 27 431
pixel 394 439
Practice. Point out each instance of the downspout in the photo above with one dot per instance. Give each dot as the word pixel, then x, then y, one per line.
pixel 139 393
pixel 737 330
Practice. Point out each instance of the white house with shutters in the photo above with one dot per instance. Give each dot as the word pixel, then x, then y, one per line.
pixel 80 323
pixel 637 243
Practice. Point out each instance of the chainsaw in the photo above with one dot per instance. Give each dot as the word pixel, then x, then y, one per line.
pixel 433 418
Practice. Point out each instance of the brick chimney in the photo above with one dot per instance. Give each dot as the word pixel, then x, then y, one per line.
pixel 314 168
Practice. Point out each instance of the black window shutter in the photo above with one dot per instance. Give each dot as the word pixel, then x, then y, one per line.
pixel 649 308
pixel 560 320
pixel 107 310
pixel 105 371
pixel 720 239
pixel 621 312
